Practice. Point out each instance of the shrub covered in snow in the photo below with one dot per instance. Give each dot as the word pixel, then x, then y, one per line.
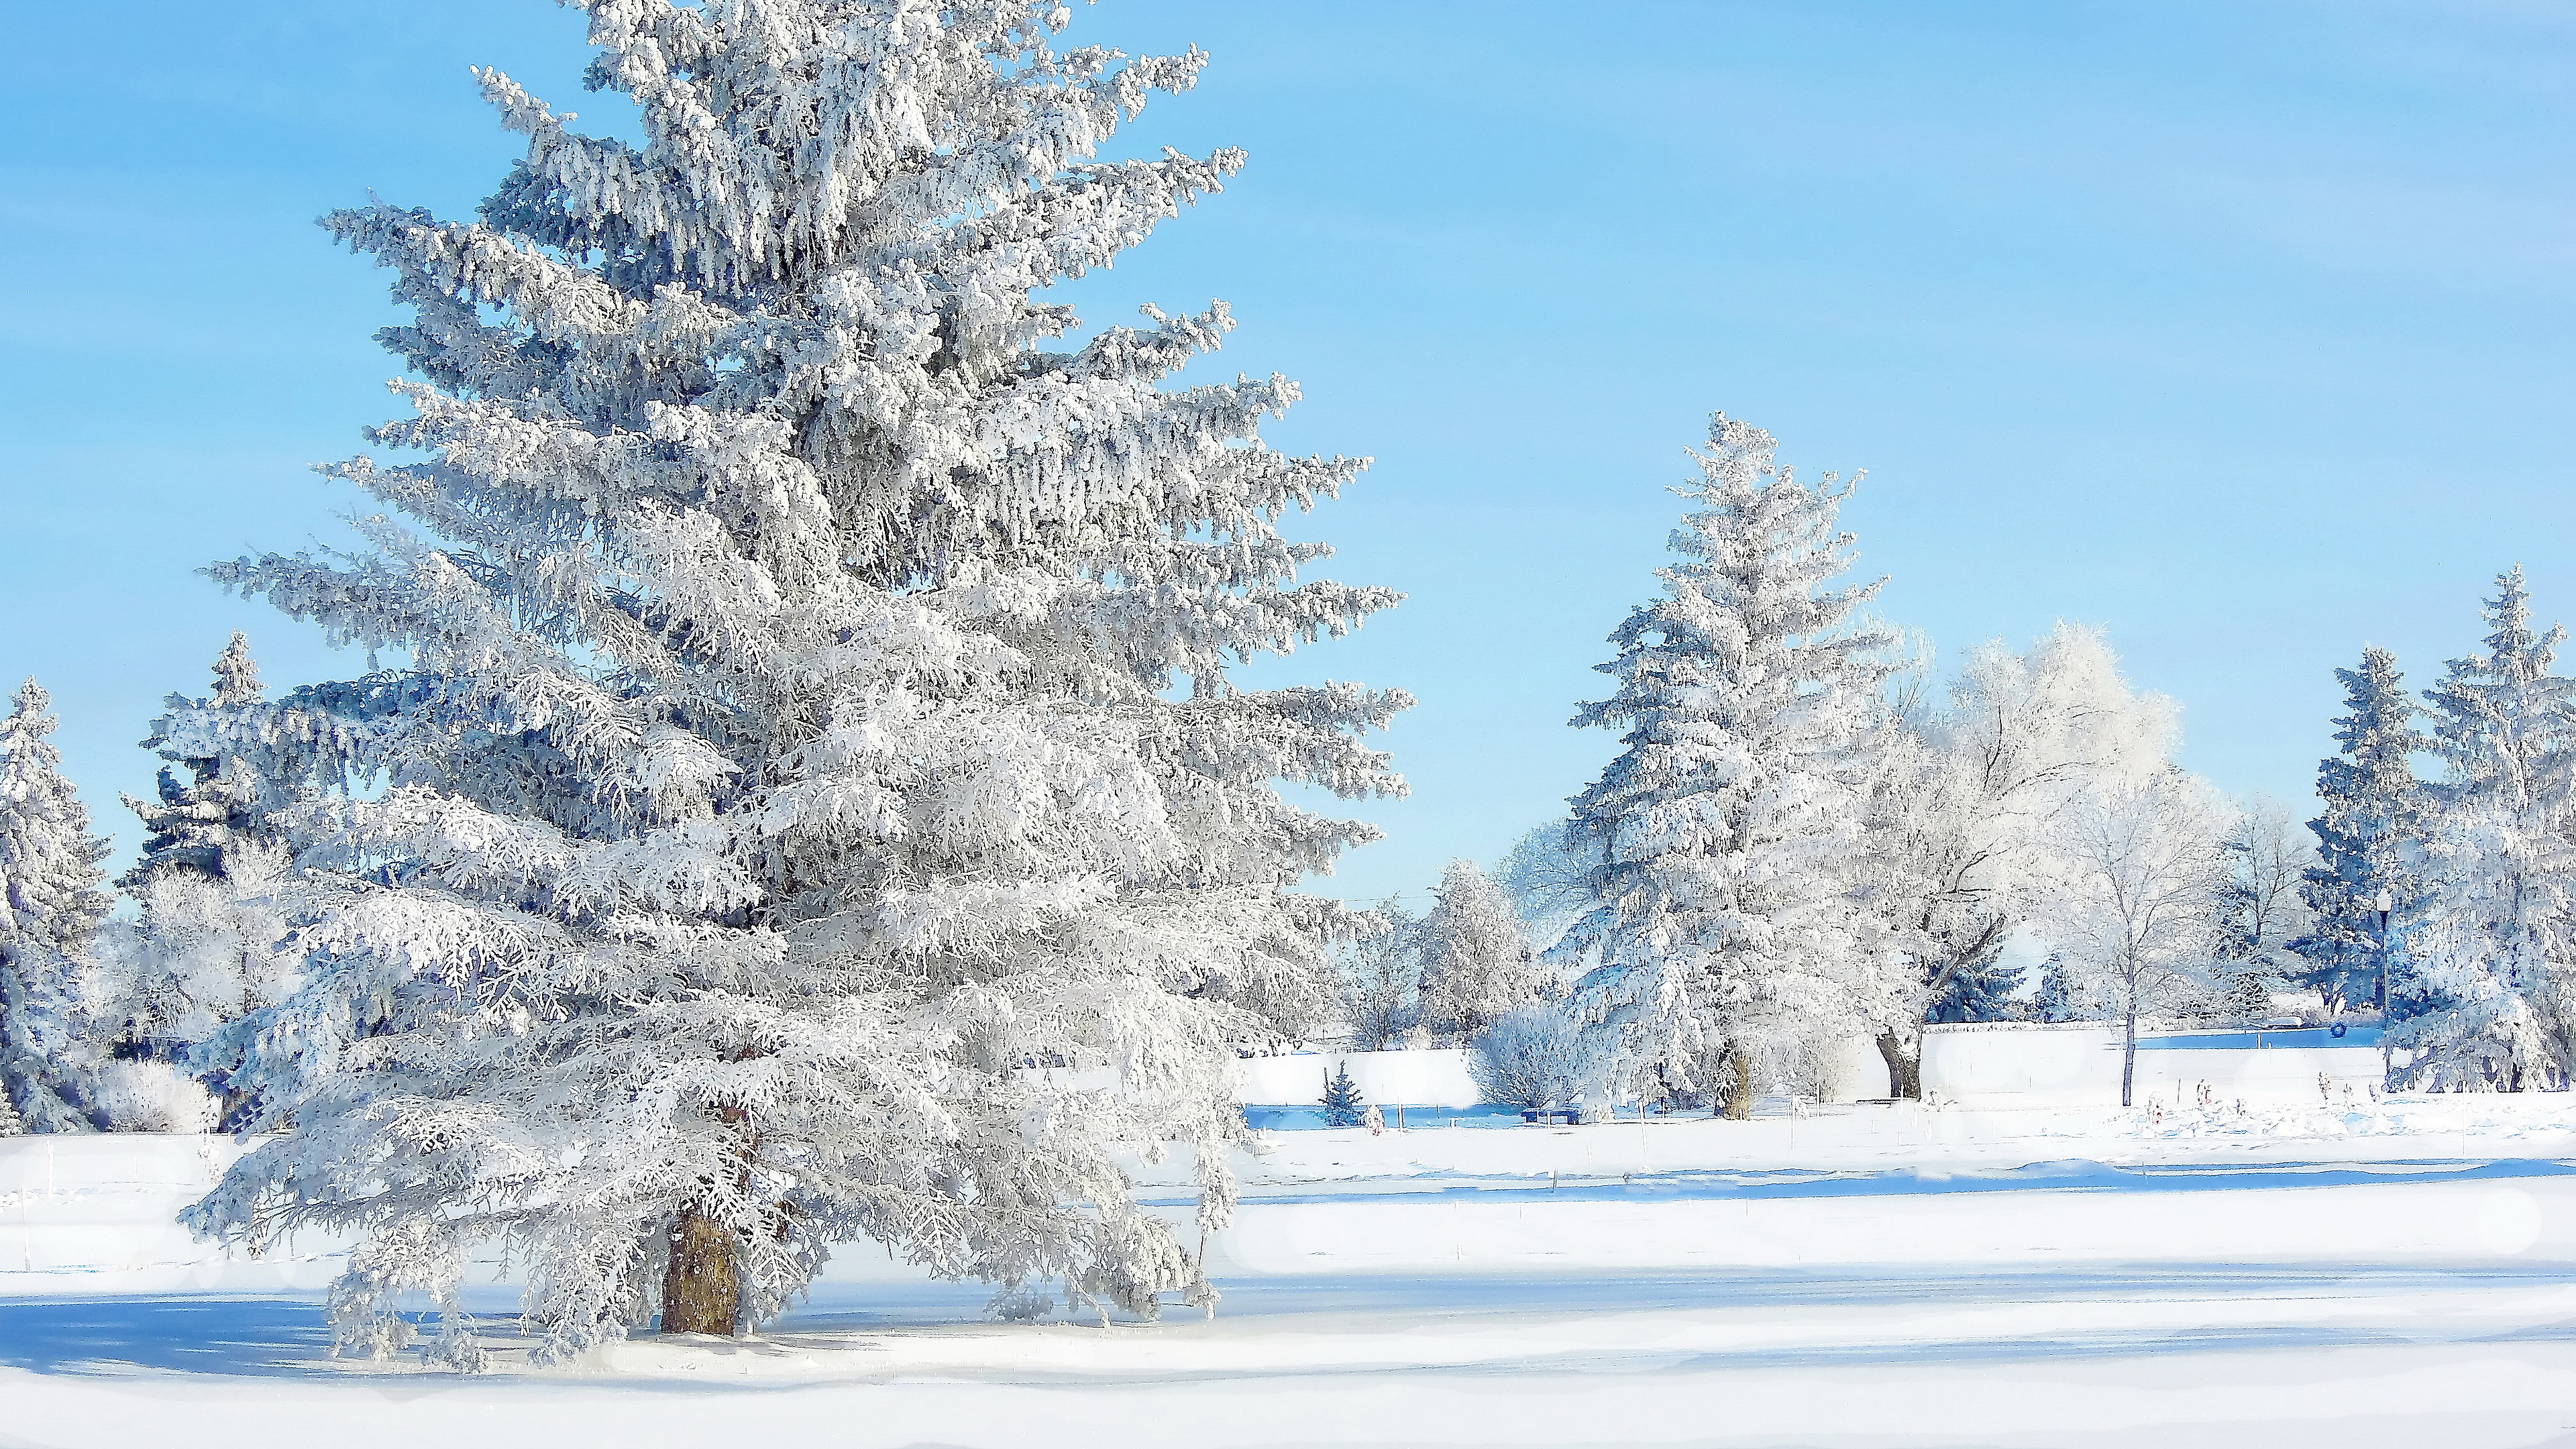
pixel 1538 1056
pixel 148 1096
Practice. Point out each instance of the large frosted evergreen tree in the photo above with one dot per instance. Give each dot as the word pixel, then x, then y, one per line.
pixel 2370 836
pixel 51 906
pixel 812 707
pixel 1731 823
pixel 2490 941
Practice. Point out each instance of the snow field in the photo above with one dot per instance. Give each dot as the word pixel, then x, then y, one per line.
pixel 1872 1276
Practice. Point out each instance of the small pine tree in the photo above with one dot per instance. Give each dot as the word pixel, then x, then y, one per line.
pixel 51 907
pixel 1343 1104
pixel 1730 825
pixel 2368 839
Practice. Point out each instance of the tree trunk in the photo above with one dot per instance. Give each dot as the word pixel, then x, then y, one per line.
pixel 1739 1099
pixel 2129 1050
pixel 701 1291
pixel 1904 1068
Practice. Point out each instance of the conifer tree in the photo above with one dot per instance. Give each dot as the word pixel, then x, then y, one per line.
pixel 1476 965
pixel 203 948
pixel 1342 1101
pixel 51 906
pixel 1980 989
pixel 1730 824
pixel 2372 830
pixel 813 706
pixel 190 827
pixel 2490 939
pixel 2057 999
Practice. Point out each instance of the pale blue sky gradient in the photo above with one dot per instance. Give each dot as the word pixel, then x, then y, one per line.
pixel 2241 330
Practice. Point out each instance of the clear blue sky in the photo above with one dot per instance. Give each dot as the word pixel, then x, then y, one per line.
pixel 2241 330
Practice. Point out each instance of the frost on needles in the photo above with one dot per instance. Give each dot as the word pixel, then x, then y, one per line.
pixel 1728 922
pixel 812 717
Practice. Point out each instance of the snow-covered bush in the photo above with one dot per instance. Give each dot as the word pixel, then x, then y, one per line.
pixel 149 1096
pixel 812 703
pixel 1538 1056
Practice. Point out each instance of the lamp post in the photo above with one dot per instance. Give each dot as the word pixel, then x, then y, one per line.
pixel 2382 903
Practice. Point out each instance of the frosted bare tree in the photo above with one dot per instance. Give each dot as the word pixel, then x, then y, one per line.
pixel 1969 799
pixel 2139 906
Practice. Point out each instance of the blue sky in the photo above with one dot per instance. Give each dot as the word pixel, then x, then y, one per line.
pixel 2240 330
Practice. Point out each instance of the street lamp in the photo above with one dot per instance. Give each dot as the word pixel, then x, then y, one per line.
pixel 2382 903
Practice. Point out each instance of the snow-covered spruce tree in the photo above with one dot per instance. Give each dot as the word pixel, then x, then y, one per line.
pixel 191 827
pixel 2490 939
pixel 202 949
pixel 2059 997
pixel 1730 825
pixel 51 906
pixel 1981 988
pixel 814 709
pixel 2369 837
pixel 1964 816
pixel 1475 963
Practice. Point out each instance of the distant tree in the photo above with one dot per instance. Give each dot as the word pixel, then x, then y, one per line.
pixel 1537 1056
pixel 1476 965
pixel 51 907
pixel 2262 912
pixel 1551 876
pixel 193 827
pixel 1962 823
pixel 204 947
pixel 2059 998
pixel 2369 839
pixel 1983 989
pixel 1731 824
pixel 2138 907
pixel 1343 1104
pixel 2490 940
pixel 1381 975
pixel 2248 995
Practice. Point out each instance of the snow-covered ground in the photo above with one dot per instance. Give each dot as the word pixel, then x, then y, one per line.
pixel 2397 1274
